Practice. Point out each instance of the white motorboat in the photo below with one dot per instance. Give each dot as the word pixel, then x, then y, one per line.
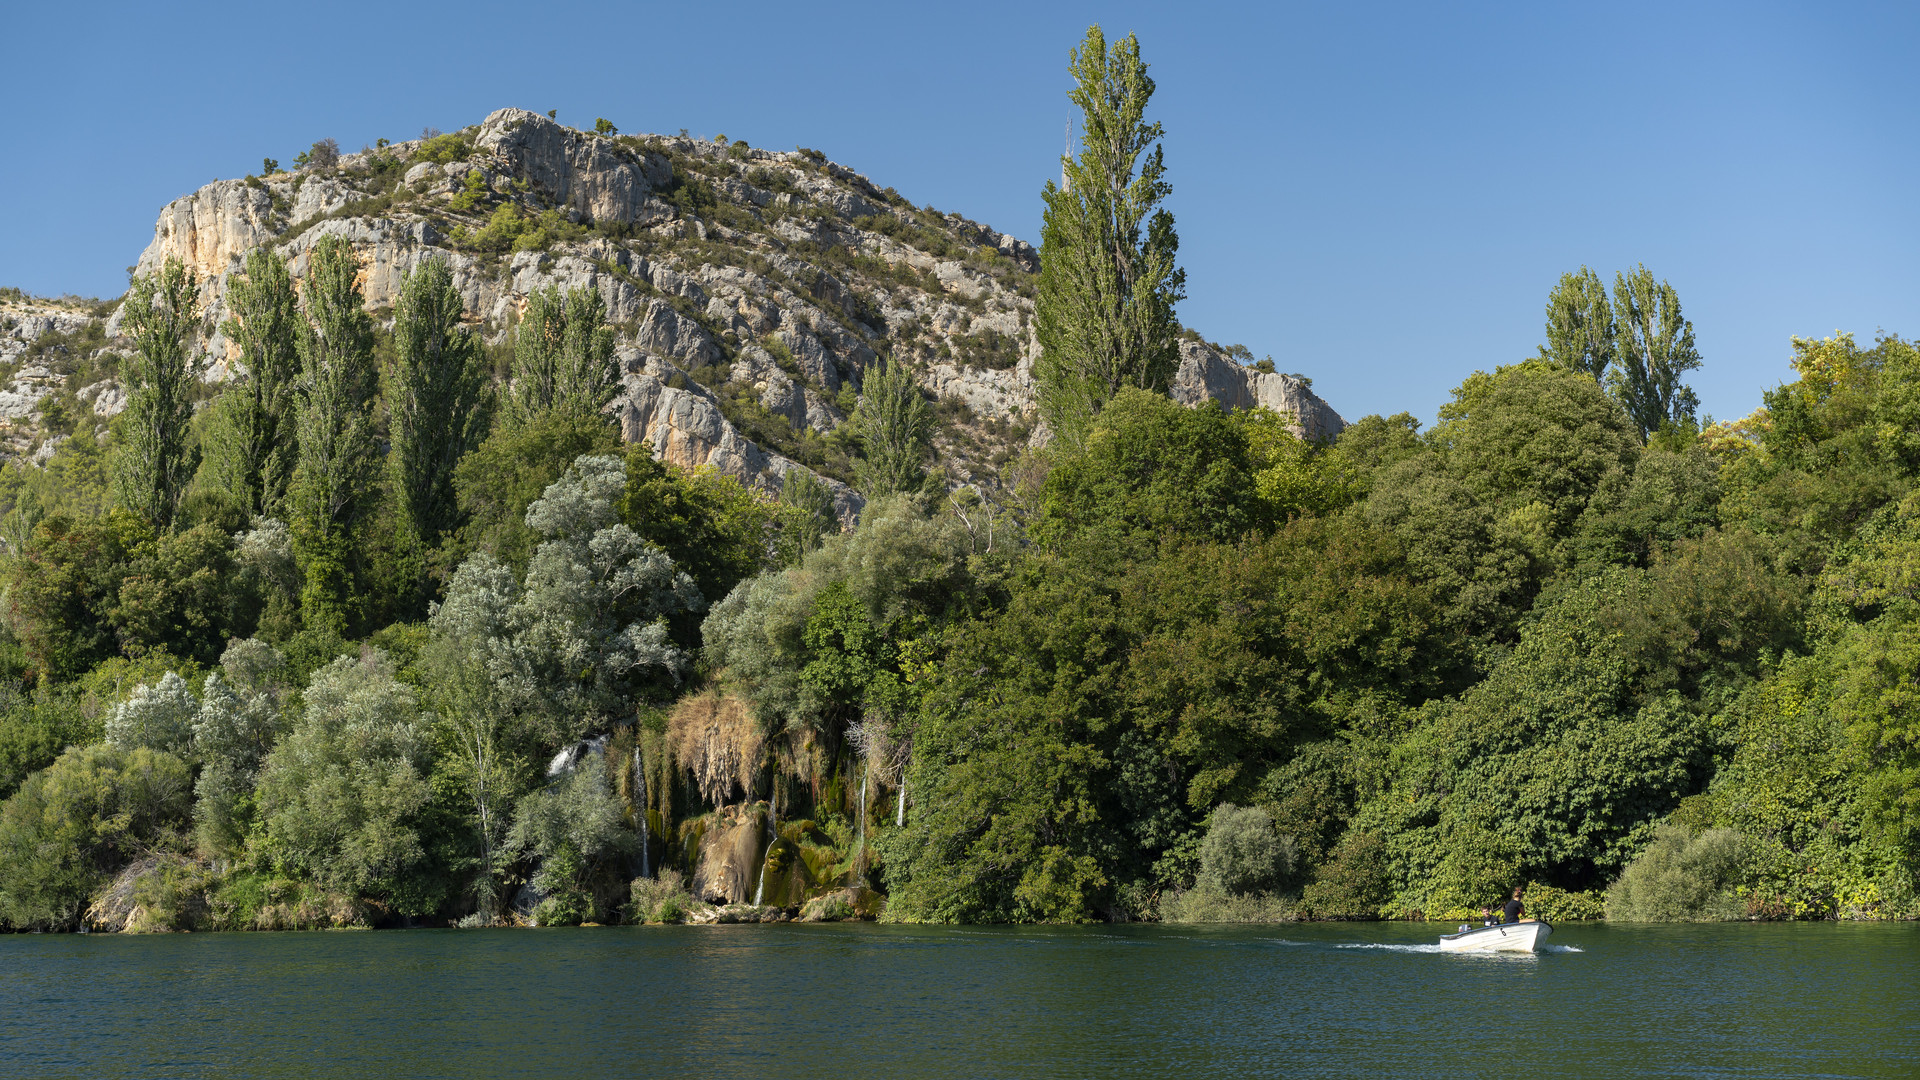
pixel 1527 935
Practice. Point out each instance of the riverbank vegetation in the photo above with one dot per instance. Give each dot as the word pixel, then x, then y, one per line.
pixel 379 637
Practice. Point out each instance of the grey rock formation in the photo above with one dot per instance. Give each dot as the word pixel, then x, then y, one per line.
pixel 1206 375
pixel 598 177
pixel 777 277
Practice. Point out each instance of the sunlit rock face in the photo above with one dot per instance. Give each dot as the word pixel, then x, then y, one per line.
pixel 750 291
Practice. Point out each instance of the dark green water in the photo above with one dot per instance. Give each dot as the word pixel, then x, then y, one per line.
pixel 877 1001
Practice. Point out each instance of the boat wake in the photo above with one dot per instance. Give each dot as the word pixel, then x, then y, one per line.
pixel 1391 948
pixel 1561 948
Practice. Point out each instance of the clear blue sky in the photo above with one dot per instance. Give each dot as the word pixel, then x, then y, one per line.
pixel 1379 195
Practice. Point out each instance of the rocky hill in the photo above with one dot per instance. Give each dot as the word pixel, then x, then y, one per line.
pixel 751 290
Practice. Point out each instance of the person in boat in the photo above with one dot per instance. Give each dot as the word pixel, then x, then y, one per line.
pixel 1514 909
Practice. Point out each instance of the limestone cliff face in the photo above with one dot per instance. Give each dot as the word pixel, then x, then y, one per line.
pixel 751 291
pixel 1206 375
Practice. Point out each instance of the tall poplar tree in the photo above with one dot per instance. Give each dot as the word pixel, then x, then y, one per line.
pixel 895 425
pixel 563 354
pixel 1580 327
pixel 1108 282
pixel 250 441
pixel 333 482
pixel 435 398
pixel 153 462
pixel 1654 347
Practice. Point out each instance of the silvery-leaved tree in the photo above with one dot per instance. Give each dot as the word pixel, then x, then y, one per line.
pixel 342 795
pixel 154 460
pixel 576 645
pixel 237 726
pixel 1104 315
pixel 159 717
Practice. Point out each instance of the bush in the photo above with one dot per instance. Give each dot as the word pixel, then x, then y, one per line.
pixel 1355 883
pixel 342 796
pixel 662 899
pixel 1683 876
pixel 1242 853
pixel 576 829
pixel 160 716
pixel 325 154
pixel 1559 905
pixel 1210 906
pixel 444 149
pixel 72 825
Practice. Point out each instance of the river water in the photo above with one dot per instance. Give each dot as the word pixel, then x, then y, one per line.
pixel 862 1001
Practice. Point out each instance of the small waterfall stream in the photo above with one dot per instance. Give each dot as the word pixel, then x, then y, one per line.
pixel 640 801
pixel 860 844
pixel 773 833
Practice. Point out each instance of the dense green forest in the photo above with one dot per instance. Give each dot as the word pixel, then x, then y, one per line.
pixel 394 629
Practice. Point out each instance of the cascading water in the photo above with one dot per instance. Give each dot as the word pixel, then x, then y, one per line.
pixel 640 800
pixel 900 815
pixel 860 843
pixel 773 833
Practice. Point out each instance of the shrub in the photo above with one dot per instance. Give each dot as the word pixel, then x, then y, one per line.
pixel 1559 905
pixel 576 829
pixel 604 126
pixel 1683 876
pixel 160 716
pixel 1210 906
pixel 1355 882
pixel 662 899
pixel 325 154
pixel 473 192
pixel 444 149
pixel 1242 853
pixel 72 825
pixel 343 794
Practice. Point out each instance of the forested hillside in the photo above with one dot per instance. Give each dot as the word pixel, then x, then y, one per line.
pixel 537 525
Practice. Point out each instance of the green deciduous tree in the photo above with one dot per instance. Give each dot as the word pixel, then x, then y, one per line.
pixel 1151 469
pixel 1108 282
pixel 338 463
pixel 342 795
pixel 435 399
pixel 153 462
pixel 1654 349
pixel 586 635
pixel 563 354
pixel 70 826
pixel 251 441
pixel 1580 325
pixel 895 426
pixel 238 723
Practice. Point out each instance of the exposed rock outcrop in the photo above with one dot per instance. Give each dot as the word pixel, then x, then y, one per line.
pixel 751 290
pixel 730 851
pixel 1206 375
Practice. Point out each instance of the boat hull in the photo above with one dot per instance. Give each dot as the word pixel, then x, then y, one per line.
pixel 1525 936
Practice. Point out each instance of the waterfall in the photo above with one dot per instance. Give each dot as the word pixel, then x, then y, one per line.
pixel 900 815
pixel 640 799
pixel 861 845
pixel 773 833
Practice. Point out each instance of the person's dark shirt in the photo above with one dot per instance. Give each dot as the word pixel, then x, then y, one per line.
pixel 1511 913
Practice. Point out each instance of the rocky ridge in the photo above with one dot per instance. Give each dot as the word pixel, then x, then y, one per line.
pixel 751 290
